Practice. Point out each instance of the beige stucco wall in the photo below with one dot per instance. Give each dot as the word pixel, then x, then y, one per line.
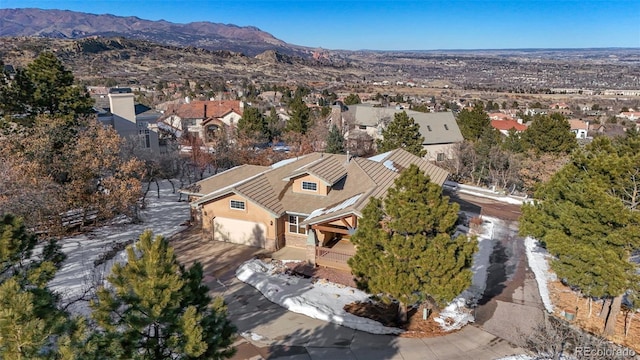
pixel 252 212
pixel 433 150
pixel 323 190
pixel 231 119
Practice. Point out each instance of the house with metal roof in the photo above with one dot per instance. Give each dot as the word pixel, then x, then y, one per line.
pixel 311 202
pixel 439 129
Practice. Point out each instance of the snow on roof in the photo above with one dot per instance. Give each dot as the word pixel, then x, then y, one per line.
pixel 283 162
pixel 343 205
pixel 379 157
pixel 389 165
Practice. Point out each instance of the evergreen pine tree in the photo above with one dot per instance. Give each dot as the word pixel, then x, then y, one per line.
pixel 473 124
pixel 352 99
pixel 300 116
pixel 30 322
pixel 402 132
pixel 585 218
pixel 156 309
pixel 274 125
pixel 550 134
pixel 335 141
pixel 253 124
pixel 406 249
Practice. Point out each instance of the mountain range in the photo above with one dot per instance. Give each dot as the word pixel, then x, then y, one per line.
pixel 65 24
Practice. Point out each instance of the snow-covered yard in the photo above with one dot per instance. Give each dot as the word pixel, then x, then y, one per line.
pixel 163 215
pixel 319 300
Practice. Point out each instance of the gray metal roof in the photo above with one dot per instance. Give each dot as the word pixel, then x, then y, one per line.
pixel 436 127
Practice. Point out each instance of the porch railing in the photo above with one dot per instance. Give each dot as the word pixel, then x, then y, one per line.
pixel 333 258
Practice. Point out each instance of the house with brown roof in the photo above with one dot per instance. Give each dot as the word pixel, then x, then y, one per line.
pixel 579 127
pixel 312 202
pixel 203 118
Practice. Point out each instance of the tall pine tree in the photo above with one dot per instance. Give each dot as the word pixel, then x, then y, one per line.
pixel 474 123
pixel 30 322
pixel 335 141
pixel 585 217
pixel 253 125
pixel 405 245
pixel 300 116
pixel 402 132
pixel 155 308
pixel 45 86
pixel 550 134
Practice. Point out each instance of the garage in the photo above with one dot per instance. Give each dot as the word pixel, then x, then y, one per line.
pixel 239 231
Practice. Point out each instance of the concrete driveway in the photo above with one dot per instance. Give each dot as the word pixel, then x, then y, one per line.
pixel 271 332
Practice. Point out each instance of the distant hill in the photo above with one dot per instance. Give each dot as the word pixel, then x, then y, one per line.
pixel 94 60
pixel 64 24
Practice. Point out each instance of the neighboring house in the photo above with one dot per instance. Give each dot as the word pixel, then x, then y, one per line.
pixel 505 125
pixel 311 202
pixel 630 115
pixel 204 118
pixel 500 116
pixel 579 127
pixel 128 119
pixel 559 105
pixel 440 129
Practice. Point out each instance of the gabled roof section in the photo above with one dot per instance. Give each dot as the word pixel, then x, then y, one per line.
pixel 382 171
pixel 261 192
pixel 437 127
pixel 353 183
pixel 200 109
pixel 508 125
pixel 224 179
pixel 330 169
pixel 402 159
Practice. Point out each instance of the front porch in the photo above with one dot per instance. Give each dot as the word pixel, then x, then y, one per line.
pixel 335 256
pixel 333 246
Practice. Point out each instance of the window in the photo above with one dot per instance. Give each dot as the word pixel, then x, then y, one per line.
pixel 294 225
pixel 145 141
pixel 362 127
pixel 237 205
pixel 440 157
pixel 309 186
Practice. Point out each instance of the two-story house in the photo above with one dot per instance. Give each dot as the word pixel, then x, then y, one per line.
pixel 311 202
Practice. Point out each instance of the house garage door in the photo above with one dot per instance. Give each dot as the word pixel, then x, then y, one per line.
pixel 239 231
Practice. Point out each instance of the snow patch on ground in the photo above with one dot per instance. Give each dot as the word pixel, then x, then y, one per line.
pixel 457 314
pixel 319 300
pixel 537 258
pixel 489 194
pixel 79 274
pixel 252 336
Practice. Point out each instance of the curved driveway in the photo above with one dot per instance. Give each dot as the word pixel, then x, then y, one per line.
pixel 271 332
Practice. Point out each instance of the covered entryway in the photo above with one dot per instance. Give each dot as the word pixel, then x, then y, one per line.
pixel 334 247
pixel 239 231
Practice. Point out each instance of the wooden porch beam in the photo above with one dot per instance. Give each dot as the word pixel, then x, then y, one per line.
pixel 337 230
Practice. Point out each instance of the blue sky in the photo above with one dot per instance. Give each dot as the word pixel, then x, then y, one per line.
pixel 397 25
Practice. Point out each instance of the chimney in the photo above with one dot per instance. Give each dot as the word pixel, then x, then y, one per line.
pixel 205 110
